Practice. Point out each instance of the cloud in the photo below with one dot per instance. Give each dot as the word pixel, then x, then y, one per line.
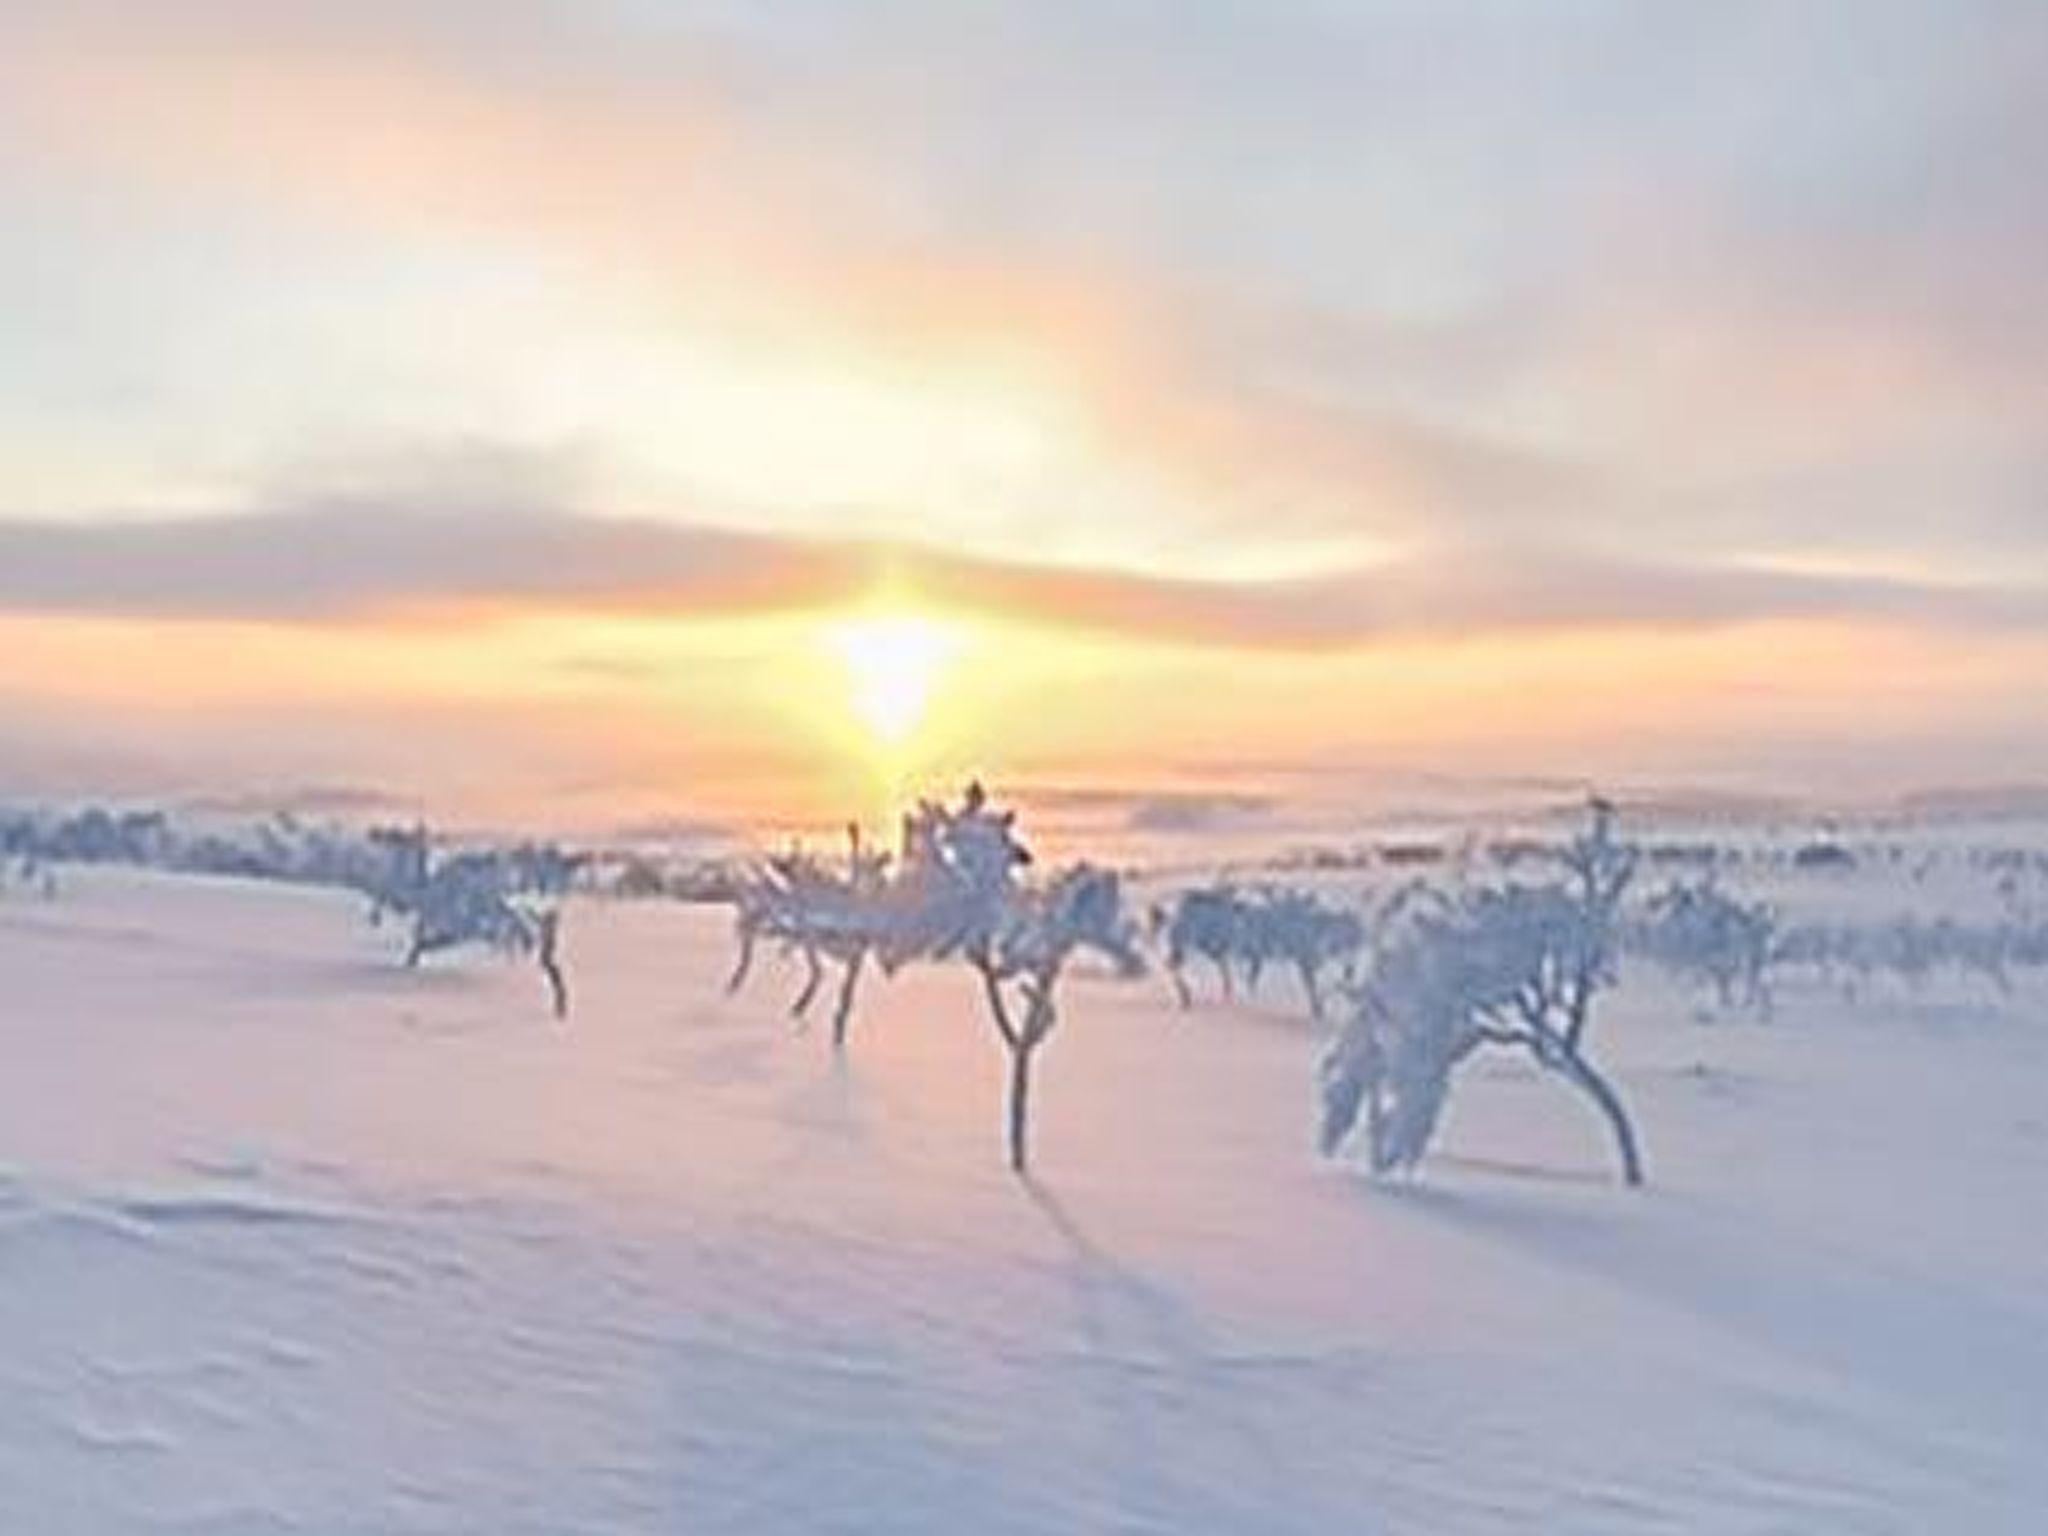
pixel 353 560
pixel 1329 276
pixel 1188 288
pixel 1505 588
pixel 350 560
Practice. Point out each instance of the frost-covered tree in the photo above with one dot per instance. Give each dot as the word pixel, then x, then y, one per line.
pixel 1243 932
pixel 810 909
pixel 1022 960
pixel 1202 924
pixel 959 893
pixel 1297 929
pixel 925 903
pixel 1703 935
pixel 21 856
pixel 1914 950
pixel 506 899
pixel 953 893
pixel 1513 966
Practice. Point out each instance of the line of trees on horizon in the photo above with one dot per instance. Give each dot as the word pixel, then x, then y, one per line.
pixel 1506 949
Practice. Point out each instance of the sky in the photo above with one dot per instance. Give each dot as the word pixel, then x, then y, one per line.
pixel 638 408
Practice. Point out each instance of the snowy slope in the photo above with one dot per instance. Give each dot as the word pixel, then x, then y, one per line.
pixel 293 1240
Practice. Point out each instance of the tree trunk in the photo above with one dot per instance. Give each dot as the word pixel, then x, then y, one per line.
pixel 847 985
pixel 814 974
pixel 1580 1071
pixel 998 1009
pixel 1020 1105
pixel 1313 990
pixel 551 962
pixel 745 963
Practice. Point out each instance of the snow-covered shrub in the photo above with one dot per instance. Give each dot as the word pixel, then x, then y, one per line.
pixel 1704 936
pixel 811 909
pixel 21 857
pixel 1826 857
pixel 1297 929
pixel 1202 923
pixel 506 899
pixel 1243 932
pixel 1914 950
pixel 1513 965
pixel 945 889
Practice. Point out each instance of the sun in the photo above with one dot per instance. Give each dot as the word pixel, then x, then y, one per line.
pixel 893 660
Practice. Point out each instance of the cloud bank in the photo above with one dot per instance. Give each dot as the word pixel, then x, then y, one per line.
pixel 1296 280
pixel 357 560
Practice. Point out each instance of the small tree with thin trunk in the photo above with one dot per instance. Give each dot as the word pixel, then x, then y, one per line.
pixel 1511 966
pixel 960 893
pixel 1021 964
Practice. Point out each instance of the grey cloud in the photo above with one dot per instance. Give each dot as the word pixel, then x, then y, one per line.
pixel 1505 181
pixel 348 559
pixel 343 561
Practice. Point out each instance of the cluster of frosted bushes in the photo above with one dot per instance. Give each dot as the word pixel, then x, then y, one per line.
pixel 281 847
pixel 1500 947
pixel 1706 937
pixel 1914 950
pixel 506 898
pixel 1243 931
pixel 1410 995
pixel 955 890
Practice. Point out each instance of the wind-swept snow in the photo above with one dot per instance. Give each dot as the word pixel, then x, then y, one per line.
pixel 292 1239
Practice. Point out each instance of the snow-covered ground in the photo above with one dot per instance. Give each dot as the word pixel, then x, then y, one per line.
pixel 294 1240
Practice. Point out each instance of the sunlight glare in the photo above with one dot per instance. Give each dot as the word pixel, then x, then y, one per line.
pixel 892 661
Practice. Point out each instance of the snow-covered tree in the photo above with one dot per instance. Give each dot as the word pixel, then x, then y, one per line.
pixel 1021 962
pixel 1243 932
pixel 1202 923
pixel 1701 934
pixel 1514 966
pixel 1914 950
pixel 21 856
pixel 959 894
pixel 813 910
pixel 946 884
pixel 954 892
pixel 506 899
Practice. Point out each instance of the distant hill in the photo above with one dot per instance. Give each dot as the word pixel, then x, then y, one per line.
pixel 1987 802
